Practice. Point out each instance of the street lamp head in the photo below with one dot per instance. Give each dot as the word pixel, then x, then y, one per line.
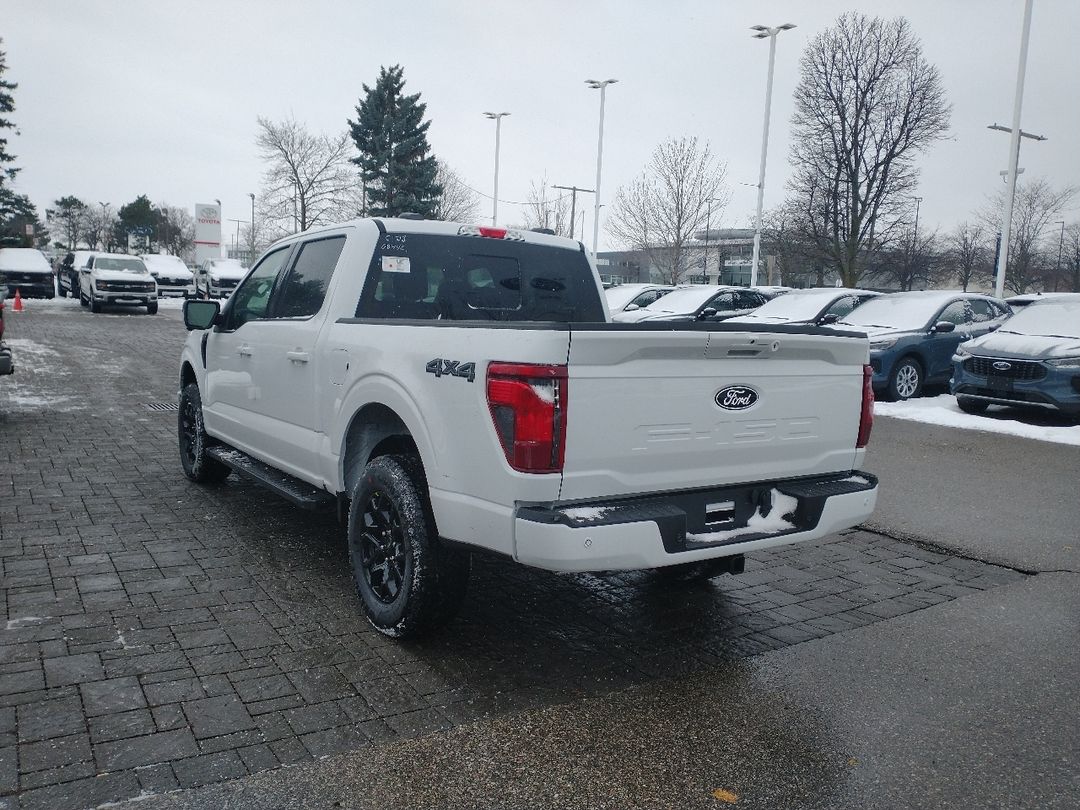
pixel 495 116
pixel 599 85
pixel 760 36
pixel 787 26
pixel 252 196
pixel 758 28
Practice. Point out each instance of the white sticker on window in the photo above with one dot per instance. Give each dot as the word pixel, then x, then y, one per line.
pixel 395 264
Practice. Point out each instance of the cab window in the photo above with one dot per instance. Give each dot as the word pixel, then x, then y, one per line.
pixel 252 297
pixel 304 288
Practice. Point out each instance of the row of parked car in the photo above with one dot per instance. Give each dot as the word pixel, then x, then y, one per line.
pixel 1021 352
pixel 99 278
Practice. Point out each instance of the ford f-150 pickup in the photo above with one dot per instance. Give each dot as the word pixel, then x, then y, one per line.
pixel 454 388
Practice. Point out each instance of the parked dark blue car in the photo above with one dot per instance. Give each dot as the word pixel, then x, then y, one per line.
pixel 1032 361
pixel 913 335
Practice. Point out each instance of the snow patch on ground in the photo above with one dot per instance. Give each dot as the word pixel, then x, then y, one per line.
pixel 943 410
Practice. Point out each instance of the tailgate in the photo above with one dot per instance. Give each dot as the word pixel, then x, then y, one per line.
pixel 654 411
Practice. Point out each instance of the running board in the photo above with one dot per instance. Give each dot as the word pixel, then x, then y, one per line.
pixel 291 489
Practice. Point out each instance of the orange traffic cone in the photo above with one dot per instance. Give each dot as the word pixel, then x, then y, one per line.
pixel 18 302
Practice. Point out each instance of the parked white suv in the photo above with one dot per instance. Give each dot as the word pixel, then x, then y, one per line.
pixel 217 278
pixel 118 279
pixel 171 274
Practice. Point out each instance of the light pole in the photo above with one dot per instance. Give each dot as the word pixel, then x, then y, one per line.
pixel 497 118
pixel 602 87
pixel 252 234
pixel 762 33
pixel 573 203
pixel 1014 156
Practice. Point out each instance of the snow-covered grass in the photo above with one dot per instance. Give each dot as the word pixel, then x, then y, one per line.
pixel 943 410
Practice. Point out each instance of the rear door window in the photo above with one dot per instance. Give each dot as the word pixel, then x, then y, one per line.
pixel 468 278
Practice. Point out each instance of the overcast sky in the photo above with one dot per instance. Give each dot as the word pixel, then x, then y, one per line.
pixel 117 99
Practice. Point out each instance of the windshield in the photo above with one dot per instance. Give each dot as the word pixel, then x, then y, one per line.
pixel 794 306
pixel 619 297
pixel 123 265
pixel 162 262
pixel 1049 319
pixel 896 312
pixel 684 299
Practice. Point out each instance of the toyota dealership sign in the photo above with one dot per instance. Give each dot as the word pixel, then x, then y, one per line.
pixel 207 231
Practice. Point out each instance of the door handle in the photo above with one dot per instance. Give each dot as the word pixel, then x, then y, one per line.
pixel 244 351
pixel 297 357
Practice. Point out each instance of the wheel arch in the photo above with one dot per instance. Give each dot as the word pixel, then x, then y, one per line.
pixel 374 430
pixel 187 375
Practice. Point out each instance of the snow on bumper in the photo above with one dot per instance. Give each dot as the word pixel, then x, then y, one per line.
pixel 680 528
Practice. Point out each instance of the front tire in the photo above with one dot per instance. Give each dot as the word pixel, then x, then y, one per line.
pixel 906 380
pixel 408 580
pixel 972 406
pixel 95 307
pixel 151 309
pixel 198 466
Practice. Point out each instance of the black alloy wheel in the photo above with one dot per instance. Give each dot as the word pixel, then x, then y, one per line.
pixel 382 558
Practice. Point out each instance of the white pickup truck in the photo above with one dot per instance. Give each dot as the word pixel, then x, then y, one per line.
pixel 454 388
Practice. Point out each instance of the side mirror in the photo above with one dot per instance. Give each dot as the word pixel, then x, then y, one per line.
pixel 706 313
pixel 994 327
pixel 832 317
pixel 941 327
pixel 200 314
pixel 631 307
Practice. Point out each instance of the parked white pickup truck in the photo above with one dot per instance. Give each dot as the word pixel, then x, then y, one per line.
pixel 454 388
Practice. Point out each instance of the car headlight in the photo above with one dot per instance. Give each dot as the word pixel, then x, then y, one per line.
pixel 882 345
pixel 961 353
pixel 1064 362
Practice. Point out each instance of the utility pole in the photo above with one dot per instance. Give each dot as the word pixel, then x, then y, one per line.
pixel 573 202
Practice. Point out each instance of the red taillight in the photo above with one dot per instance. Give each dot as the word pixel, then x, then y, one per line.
pixel 866 418
pixel 492 233
pixel 528 406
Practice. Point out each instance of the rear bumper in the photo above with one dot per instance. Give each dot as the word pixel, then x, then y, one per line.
pixel 658 531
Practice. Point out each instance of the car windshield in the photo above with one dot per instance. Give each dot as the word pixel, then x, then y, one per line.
pixel 123 265
pixel 619 297
pixel 1047 319
pixel 895 312
pixel 171 263
pixel 685 299
pixel 794 306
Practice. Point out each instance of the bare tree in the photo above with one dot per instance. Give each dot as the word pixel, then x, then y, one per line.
pixel 661 210
pixel 457 202
pixel 867 103
pixel 99 225
pixel 910 263
pixel 176 230
pixel 309 179
pixel 1036 205
pixel 546 209
pixel 967 254
pixel 1069 275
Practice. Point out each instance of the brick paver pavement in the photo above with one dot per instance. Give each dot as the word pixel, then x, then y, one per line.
pixel 159 635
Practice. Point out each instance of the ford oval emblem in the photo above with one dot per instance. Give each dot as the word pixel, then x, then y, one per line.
pixel 1001 365
pixel 736 398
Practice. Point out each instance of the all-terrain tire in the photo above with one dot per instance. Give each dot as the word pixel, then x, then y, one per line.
pixel 151 309
pixel 193 441
pixel 409 581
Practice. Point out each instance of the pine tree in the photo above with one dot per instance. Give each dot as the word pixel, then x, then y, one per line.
pixel 7 106
pixel 396 164
pixel 16 210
